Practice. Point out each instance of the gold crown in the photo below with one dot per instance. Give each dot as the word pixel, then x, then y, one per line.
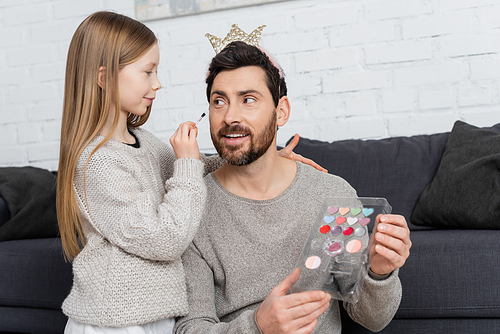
pixel 236 34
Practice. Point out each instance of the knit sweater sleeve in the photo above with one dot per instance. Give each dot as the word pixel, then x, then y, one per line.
pixel 143 217
pixel 202 316
pixel 378 302
pixel 167 158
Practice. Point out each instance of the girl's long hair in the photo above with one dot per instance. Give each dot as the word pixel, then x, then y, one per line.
pixel 107 41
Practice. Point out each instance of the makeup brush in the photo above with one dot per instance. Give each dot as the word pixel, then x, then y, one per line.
pixel 199 119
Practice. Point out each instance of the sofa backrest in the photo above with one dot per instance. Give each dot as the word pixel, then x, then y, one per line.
pixel 397 168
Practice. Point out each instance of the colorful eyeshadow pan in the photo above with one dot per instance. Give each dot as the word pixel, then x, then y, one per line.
pixel 364 221
pixel 333 247
pixel 353 246
pixel 324 229
pixel 348 231
pixel 352 220
pixel 344 211
pixel 340 220
pixel 313 262
pixel 360 231
pixel 355 211
pixel 332 210
pixel 336 230
pixel 367 211
pixel 329 219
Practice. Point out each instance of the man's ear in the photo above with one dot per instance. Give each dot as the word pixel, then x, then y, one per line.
pixel 101 77
pixel 283 111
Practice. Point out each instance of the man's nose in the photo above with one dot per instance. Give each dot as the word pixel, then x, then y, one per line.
pixel 233 114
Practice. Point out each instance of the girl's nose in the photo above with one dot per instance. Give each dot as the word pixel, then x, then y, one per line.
pixel 156 84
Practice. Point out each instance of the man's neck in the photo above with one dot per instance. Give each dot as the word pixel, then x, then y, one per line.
pixel 265 178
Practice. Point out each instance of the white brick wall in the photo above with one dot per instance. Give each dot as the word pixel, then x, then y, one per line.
pixel 355 68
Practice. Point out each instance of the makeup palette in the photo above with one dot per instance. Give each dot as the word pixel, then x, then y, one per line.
pixel 335 257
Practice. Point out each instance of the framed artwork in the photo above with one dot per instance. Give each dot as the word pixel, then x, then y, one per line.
pixel 147 10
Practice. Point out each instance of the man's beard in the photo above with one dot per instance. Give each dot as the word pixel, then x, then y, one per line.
pixel 258 145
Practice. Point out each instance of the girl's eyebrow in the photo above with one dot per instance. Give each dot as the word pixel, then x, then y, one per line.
pixel 152 63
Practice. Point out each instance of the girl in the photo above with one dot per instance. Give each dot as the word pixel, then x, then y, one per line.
pixel 125 196
pixel 121 192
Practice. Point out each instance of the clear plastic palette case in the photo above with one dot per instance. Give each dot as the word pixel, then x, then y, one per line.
pixel 335 257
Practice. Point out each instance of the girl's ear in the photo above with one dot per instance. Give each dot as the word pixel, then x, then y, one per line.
pixel 283 111
pixel 101 78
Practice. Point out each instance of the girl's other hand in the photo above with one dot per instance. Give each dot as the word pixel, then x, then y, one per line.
pixel 184 142
pixel 288 153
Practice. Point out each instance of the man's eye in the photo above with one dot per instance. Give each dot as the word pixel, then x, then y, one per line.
pixel 249 100
pixel 218 102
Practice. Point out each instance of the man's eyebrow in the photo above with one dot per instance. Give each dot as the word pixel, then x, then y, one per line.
pixel 218 92
pixel 248 91
pixel 240 93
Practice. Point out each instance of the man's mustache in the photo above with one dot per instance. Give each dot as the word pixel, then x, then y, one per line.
pixel 228 129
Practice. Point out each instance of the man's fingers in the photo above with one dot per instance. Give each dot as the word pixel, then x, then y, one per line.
pixel 394 257
pixel 304 303
pixel 285 285
pixel 298 312
pixel 394 234
pixel 308 322
pixel 309 305
pixel 395 220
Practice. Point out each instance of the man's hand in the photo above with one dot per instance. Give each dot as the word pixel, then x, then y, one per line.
pixel 183 141
pixel 391 244
pixel 287 152
pixel 294 313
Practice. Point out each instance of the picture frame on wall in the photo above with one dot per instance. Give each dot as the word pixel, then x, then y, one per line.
pixel 147 10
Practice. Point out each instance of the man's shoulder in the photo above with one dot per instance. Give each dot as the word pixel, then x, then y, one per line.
pixel 310 172
pixel 322 183
pixel 209 178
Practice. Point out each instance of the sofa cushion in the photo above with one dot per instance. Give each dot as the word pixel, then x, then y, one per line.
pixel 397 169
pixel 4 212
pixel 30 195
pixel 31 320
pixel 465 191
pixel 451 274
pixel 34 273
pixel 436 325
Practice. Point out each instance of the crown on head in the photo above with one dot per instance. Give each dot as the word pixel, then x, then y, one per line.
pixel 236 34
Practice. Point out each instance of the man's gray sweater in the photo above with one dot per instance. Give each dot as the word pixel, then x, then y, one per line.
pixel 245 247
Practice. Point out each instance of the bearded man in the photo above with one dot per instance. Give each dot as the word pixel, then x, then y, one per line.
pixel 259 213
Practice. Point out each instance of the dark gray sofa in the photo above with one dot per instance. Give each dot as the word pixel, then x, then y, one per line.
pixel 450 281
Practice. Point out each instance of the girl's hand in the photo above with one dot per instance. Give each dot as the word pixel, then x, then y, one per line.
pixel 287 152
pixel 184 143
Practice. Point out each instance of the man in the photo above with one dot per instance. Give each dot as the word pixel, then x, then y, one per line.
pixel 259 213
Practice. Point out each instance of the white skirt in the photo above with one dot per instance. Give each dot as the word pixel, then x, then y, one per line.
pixel 164 326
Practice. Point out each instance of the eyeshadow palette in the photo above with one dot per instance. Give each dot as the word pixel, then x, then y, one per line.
pixel 335 257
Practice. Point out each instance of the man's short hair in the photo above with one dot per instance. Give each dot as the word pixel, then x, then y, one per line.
pixel 240 54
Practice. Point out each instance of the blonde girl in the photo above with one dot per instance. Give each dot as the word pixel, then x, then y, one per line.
pixel 125 196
